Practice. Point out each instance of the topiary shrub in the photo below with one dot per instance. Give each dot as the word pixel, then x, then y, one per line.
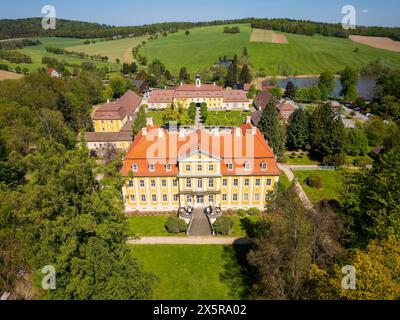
pixel 242 213
pixel 175 225
pixel 223 226
pixel 314 181
pixel 253 212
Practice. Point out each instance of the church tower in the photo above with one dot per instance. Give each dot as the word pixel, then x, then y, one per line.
pixel 198 81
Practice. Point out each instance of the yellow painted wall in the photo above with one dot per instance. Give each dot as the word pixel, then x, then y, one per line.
pixel 109 125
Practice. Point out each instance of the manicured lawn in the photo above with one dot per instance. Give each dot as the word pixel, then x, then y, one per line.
pixel 241 225
pixel 38 52
pixel 152 226
pixel 299 158
pixel 226 118
pixel 195 272
pixel 157 117
pixel 330 184
pixel 303 54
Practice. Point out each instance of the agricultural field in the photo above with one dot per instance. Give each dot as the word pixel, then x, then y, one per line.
pixel 302 55
pixel 378 42
pixel 226 118
pixel 38 52
pixel 195 272
pixel 269 36
pixel 6 75
pixel 116 49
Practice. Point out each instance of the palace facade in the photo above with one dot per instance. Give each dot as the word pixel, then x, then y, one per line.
pixel 214 96
pixel 230 168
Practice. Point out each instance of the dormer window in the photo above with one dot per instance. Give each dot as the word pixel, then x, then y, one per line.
pixel 264 166
pixel 152 168
pixel 168 167
pixel 134 167
pixel 247 166
pixel 230 166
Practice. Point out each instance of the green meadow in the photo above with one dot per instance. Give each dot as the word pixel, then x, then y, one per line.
pixel 116 49
pixel 38 52
pixel 303 55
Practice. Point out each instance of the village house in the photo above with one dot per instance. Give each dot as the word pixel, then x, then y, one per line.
pixel 214 96
pixel 227 168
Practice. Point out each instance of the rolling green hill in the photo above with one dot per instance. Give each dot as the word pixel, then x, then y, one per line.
pixel 38 52
pixel 303 54
pixel 116 49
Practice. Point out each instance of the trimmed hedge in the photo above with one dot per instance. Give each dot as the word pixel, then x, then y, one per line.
pixel 175 225
pixel 223 226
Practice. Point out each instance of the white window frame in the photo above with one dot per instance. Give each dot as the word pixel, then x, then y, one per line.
pixel 247 166
pixel 135 167
pixel 152 168
pixel 168 167
pixel 269 182
pixel 188 183
pixel 230 166
pixel 142 183
pixel 264 166
pixel 211 183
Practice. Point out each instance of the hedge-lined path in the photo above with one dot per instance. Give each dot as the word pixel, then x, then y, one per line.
pixel 191 240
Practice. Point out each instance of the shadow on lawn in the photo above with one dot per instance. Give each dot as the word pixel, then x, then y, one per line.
pixel 237 273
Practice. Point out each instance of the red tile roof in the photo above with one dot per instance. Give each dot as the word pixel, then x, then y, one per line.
pixel 119 109
pixel 162 96
pixel 203 87
pixel 237 145
pixel 235 96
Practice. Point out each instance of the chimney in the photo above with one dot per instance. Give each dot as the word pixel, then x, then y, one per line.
pixel 253 131
pixel 144 131
pixel 238 132
pixel 149 122
pixel 160 132
pixel 248 120
pixel 216 132
pixel 108 100
pixel 181 133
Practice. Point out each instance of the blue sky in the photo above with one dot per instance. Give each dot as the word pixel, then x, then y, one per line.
pixel 137 12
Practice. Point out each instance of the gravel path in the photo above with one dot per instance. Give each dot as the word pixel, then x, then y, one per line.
pixel 191 240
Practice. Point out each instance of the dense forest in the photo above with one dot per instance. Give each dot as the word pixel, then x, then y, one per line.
pixel 54 208
pixel 32 27
pixel 326 29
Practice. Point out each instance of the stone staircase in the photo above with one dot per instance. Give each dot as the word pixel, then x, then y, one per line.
pixel 200 224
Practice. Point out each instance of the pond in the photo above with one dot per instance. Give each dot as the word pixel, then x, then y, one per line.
pixel 366 86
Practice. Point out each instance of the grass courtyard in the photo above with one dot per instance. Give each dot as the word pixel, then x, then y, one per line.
pixel 195 272
pixel 331 181
pixel 151 226
pixel 154 226
pixel 226 118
